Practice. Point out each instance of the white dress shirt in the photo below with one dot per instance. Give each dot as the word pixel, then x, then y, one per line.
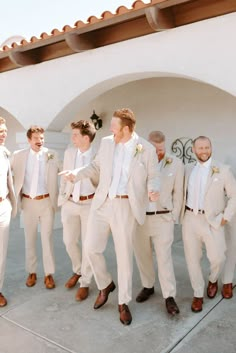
pixel 204 169
pixel 4 163
pixel 86 186
pixel 42 187
pixel 128 154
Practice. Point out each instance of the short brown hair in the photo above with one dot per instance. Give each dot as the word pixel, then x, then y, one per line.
pixel 157 136
pixel 201 138
pixel 34 129
pixel 127 118
pixel 2 120
pixel 86 128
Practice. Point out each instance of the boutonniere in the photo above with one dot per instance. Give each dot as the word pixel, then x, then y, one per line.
pixel 138 149
pixel 50 156
pixel 168 161
pixel 5 151
pixel 214 170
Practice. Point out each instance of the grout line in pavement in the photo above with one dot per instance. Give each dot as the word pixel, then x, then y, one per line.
pixel 38 335
pixel 180 340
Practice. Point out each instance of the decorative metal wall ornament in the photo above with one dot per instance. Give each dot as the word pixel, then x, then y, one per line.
pixel 182 148
pixel 97 121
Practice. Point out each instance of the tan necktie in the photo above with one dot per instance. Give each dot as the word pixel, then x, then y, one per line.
pixel 76 190
pixel 117 172
pixel 35 177
pixel 197 186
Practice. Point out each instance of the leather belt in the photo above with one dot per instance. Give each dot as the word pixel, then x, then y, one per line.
pixel 2 199
pixel 156 212
pixel 191 209
pixel 121 197
pixel 39 197
pixel 83 198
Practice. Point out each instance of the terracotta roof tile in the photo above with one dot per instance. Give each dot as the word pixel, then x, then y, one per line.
pixel 79 24
pixel 107 14
pixel 93 19
pixel 121 10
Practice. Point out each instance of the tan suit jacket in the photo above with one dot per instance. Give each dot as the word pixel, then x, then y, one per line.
pixel 52 167
pixel 66 187
pixel 143 175
pixel 171 194
pixel 11 194
pixel 220 184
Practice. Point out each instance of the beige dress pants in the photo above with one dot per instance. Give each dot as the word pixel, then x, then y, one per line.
pixel 74 219
pixel 5 217
pixel 38 212
pixel 196 233
pixel 230 237
pixel 159 231
pixel 113 216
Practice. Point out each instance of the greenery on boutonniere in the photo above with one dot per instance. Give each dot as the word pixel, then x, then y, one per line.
pixel 168 160
pixel 138 149
pixel 214 170
pixel 50 156
pixel 5 151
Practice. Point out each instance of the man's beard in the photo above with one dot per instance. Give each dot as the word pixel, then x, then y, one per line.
pixel 160 156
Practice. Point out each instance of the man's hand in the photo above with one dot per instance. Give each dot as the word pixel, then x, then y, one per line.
pixel 68 175
pixel 153 196
pixel 223 222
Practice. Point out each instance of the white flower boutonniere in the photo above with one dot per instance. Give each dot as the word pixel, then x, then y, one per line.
pixel 214 170
pixel 50 156
pixel 138 149
pixel 168 161
pixel 5 151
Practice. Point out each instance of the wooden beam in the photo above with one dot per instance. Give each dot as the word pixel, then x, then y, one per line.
pixel 160 19
pixel 194 11
pixel 23 58
pixel 78 42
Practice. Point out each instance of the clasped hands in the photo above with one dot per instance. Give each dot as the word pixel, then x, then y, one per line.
pixel 153 195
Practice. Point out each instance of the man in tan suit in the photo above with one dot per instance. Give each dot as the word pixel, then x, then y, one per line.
pixel 128 175
pixel 35 172
pixel 230 262
pixel 158 228
pixel 7 204
pixel 75 200
pixel 206 211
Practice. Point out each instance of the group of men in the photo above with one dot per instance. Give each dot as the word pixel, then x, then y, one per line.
pixel 130 188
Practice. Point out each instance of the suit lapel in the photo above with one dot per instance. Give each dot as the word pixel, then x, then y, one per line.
pixel 135 156
pixel 210 176
pixel 187 175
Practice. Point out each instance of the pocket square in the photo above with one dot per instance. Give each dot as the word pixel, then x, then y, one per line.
pixel 170 174
pixel 216 179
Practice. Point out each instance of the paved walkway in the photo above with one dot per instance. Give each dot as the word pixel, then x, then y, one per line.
pixel 37 320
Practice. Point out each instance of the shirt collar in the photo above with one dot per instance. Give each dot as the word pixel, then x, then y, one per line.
pixel 205 164
pixel 86 153
pixel 33 153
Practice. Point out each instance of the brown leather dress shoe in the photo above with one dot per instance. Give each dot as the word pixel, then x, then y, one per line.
pixel 49 282
pixel 82 294
pixel 125 314
pixel 31 280
pixel 72 281
pixel 197 304
pixel 171 306
pixel 212 289
pixel 227 290
pixel 3 301
pixel 144 294
pixel 103 295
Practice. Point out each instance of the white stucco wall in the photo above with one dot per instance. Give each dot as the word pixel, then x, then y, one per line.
pixel 51 92
pixel 178 107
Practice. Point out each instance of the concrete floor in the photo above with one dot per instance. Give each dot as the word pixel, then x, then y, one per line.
pixel 37 320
